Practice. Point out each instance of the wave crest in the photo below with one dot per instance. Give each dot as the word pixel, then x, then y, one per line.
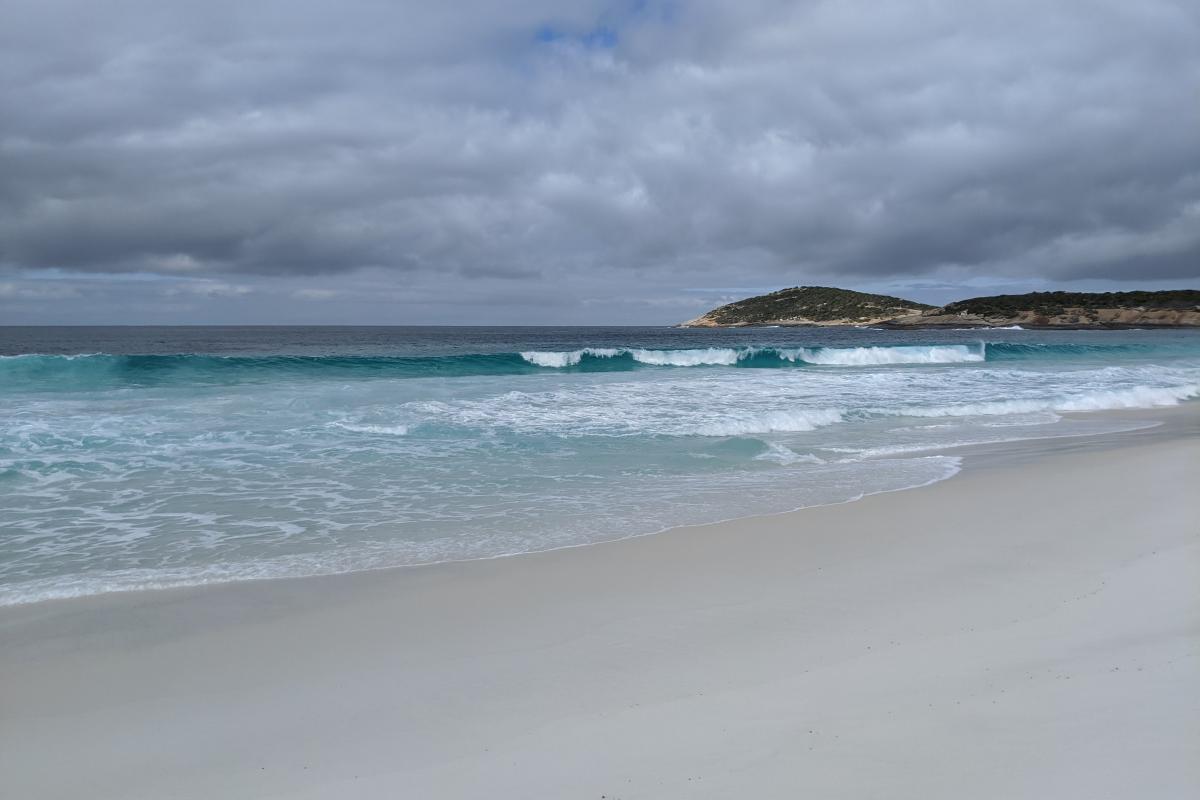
pixel 710 356
pixel 881 356
pixel 99 371
pixel 762 356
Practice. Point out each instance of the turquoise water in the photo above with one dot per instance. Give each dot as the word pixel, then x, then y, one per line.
pixel 135 458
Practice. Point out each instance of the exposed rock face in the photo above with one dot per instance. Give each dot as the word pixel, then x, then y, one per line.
pixel 819 305
pixel 808 305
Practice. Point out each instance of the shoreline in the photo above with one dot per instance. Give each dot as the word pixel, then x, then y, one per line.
pixel 1143 418
pixel 995 634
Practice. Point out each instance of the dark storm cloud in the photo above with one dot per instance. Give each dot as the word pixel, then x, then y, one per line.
pixel 598 152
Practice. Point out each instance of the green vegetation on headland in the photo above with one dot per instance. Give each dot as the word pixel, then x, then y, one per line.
pixel 1052 303
pixel 808 305
pixel 822 305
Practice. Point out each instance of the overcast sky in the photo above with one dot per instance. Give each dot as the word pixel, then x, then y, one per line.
pixel 545 161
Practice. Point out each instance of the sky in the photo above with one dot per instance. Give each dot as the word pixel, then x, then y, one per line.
pixel 539 162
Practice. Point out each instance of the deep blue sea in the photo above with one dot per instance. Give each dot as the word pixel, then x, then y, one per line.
pixel 134 458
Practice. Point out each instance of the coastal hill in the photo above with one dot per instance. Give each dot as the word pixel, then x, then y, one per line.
pixel 819 305
pixel 1066 310
pixel 809 305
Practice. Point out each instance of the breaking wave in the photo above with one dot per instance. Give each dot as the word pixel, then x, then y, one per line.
pixel 873 356
pixel 769 356
pixel 144 471
pixel 99 371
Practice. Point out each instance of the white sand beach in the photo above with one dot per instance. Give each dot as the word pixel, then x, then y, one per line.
pixel 1029 628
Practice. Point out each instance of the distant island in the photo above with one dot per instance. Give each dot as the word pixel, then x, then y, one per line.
pixel 824 305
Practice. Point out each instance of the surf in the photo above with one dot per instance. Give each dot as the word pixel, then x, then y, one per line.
pixel 88 371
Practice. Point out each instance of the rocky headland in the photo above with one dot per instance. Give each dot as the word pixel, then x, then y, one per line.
pixel 809 305
pixel 821 305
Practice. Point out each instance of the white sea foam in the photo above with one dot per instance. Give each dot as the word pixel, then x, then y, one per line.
pixel 846 482
pixel 911 448
pixel 784 455
pixel 879 356
pixel 771 422
pixel 710 356
pixel 1137 397
pixel 1103 400
pixel 543 359
pixel 148 486
pixel 728 356
pixel 569 358
pixel 63 356
pixel 385 430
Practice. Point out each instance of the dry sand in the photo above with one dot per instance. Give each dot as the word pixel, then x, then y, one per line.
pixel 1028 629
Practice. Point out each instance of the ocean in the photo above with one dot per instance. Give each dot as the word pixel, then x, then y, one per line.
pixel 141 457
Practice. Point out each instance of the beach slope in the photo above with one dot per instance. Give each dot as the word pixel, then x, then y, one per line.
pixel 1028 628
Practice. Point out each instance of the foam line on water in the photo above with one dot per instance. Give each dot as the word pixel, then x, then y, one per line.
pixel 911 473
pixel 1135 397
pixel 386 430
pixel 780 421
pixel 881 356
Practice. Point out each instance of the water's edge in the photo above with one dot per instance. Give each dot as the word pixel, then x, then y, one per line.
pixel 1136 428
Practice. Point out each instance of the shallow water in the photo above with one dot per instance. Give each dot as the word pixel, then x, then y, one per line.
pixel 143 457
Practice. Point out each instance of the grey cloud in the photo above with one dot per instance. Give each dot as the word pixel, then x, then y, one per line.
pixel 591 152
